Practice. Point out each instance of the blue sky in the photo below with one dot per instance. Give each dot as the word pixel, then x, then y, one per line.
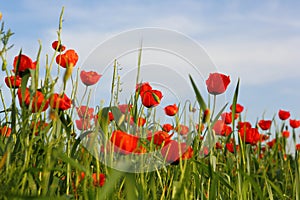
pixel 257 41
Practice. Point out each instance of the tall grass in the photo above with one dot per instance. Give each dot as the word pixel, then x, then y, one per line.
pixel 52 161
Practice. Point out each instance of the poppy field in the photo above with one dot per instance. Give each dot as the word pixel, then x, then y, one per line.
pixel 54 145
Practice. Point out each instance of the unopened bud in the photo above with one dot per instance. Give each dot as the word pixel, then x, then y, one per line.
pixel 206 116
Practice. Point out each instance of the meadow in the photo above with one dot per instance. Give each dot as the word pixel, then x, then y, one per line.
pixel 54 145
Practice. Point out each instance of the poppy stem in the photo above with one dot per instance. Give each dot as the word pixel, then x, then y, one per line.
pixel 84 94
pixel 214 106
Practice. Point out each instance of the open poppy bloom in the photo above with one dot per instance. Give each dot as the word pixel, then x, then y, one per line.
pixel 226 117
pixel 283 114
pixel 230 147
pixel 85 112
pixel 83 124
pixel 221 128
pixel 238 108
pixel 173 152
pixel 217 83
pixel 89 78
pixel 98 182
pixel 182 129
pixel 124 108
pixel 265 124
pixel 61 102
pixel 37 100
pixel 294 123
pixel 249 135
pixel 68 59
pixel 140 121
pixel 167 127
pixel 124 142
pixel 5 131
pixel 151 98
pixel 171 110
pixel 159 137
pixel 298 147
pixel 22 63
pixel 13 81
pixel 38 126
pixel 285 134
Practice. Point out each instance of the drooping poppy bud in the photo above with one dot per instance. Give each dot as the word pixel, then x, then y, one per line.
pixel 68 59
pixel 57 46
pixel 151 98
pixel 171 110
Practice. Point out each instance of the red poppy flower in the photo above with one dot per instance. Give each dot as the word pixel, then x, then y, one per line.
pixel 57 46
pixel 294 123
pixel 174 151
pixel 249 135
pixel 206 116
pixel 182 129
pixel 217 83
pixel 219 145
pixel 83 124
pixel 226 117
pixel 143 87
pixel 37 100
pixel 298 147
pixel 167 127
pixel 265 124
pixel 23 63
pixel 13 81
pixel 110 116
pixel 0 16
pixel 171 110
pixel 61 102
pixel 159 137
pixel 238 108
pixel 151 98
pixel 85 112
pixel 285 134
pixel 68 59
pixel 283 115
pixel 124 142
pixel 124 108
pixel 245 125
pixel 221 128
pixel 89 78
pixel 140 121
pixel 271 143
pixel 199 128
pixel 230 147
pixel 98 182
pixel 263 137
pixel 5 131
pixel 38 127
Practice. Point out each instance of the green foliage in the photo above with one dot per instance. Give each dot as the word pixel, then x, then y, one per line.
pixel 50 162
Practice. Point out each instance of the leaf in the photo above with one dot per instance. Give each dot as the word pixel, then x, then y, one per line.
pixel 119 118
pixel 198 95
pixel 103 120
pixel 234 101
